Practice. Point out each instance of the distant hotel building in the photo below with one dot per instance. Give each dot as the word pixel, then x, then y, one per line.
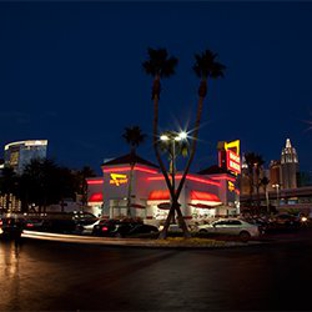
pixel 289 166
pixel 284 172
pixel 19 154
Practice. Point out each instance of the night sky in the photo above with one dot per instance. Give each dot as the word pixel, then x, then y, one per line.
pixel 71 72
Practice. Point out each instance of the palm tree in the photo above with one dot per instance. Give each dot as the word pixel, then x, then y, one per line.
pixel 205 67
pixel 45 183
pixel 160 66
pixel 81 186
pixel 258 173
pixel 264 183
pixel 134 137
pixel 250 158
pixel 254 162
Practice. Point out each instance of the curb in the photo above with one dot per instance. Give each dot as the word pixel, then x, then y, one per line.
pixel 138 242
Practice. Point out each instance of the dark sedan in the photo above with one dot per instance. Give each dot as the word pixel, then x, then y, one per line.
pixel 122 228
pixel 142 229
pixel 286 220
pixel 11 227
pixel 113 228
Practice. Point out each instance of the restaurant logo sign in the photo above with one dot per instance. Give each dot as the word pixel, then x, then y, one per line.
pixel 118 179
pixel 231 186
pixel 229 156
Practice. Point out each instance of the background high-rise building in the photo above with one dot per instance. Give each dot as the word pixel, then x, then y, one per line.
pixel 289 166
pixel 19 154
pixel 275 175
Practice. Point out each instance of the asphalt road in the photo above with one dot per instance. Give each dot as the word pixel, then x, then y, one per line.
pixel 57 276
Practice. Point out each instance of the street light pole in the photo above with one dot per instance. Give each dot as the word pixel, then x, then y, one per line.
pixel 277 193
pixel 173 168
pixel 173 138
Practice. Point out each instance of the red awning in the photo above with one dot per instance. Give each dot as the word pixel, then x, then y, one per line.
pixel 205 196
pixel 96 197
pixel 159 195
pixel 204 200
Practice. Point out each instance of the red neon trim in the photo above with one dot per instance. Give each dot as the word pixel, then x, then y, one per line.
pixel 117 169
pixel 96 197
pixel 155 178
pixel 196 179
pixel 188 177
pixel 128 168
pixel 224 178
pixel 91 182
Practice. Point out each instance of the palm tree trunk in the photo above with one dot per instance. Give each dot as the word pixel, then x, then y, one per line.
pixel 267 199
pixel 155 95
pixel 130 190
pixel 190 160
pixel 251 188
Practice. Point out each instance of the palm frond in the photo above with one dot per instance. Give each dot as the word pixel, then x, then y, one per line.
pixel 158 63
pixel 206 66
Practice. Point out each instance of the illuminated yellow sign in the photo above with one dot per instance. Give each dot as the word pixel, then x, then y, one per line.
pixel 118 179
pixel 233 146
pixel 231 186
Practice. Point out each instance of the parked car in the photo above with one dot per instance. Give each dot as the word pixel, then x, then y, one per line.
pixel 262 224
pixel 114 228
pixel 236 227
pixel 173 227
pixel 34 224
pixel 53 225
pixel 59 222
pixel 83 217
pixel 88 229
pixel 286 220
pixel 11 227
pixel 142 229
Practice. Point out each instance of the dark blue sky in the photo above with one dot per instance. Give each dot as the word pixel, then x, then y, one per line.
pixel 71 72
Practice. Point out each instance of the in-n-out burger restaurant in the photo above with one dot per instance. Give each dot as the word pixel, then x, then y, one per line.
pixel 208 193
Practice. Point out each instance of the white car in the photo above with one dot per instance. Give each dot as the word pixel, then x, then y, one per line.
pixel 86 229
pixel 229 226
